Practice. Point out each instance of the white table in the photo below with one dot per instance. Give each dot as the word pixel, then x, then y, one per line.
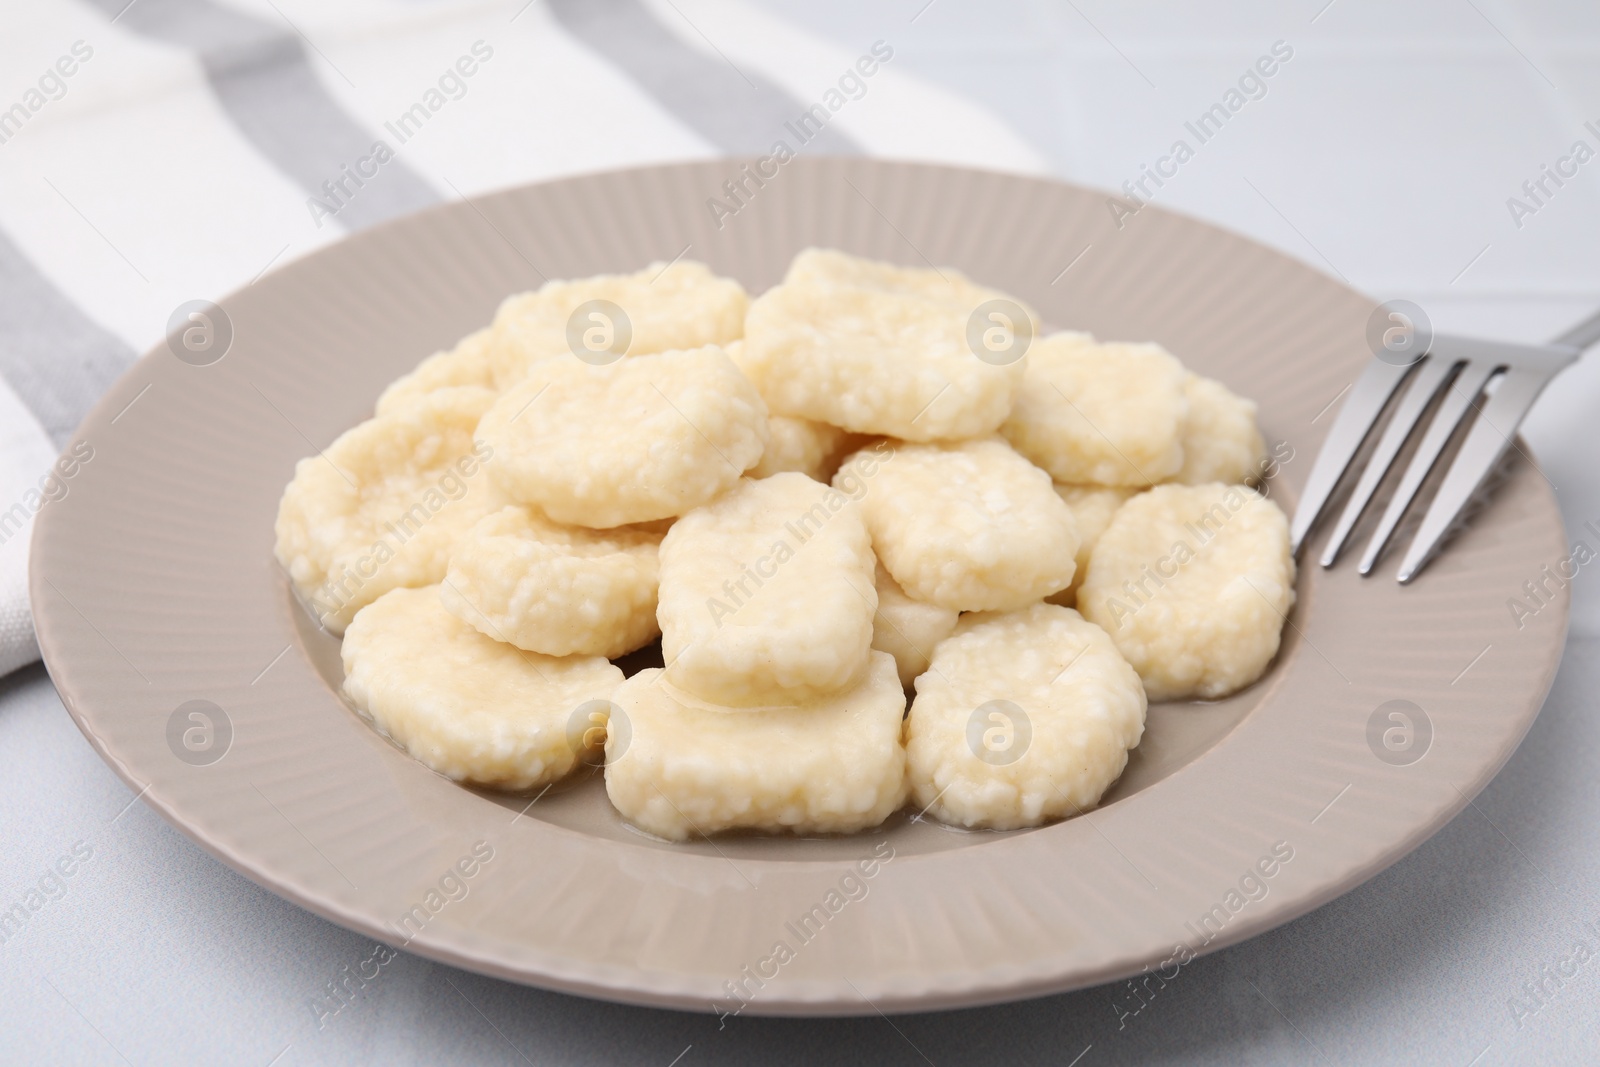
pixel 1383 151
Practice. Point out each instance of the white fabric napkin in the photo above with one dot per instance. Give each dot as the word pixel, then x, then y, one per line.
pixel 25 487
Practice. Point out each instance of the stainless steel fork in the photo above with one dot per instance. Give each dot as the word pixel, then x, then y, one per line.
pixel 1511 376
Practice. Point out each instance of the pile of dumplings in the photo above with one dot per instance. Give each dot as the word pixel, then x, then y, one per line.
pixel 869 487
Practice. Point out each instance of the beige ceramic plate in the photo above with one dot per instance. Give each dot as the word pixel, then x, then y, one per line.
pixel 154 586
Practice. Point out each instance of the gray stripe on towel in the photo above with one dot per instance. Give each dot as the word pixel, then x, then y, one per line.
pixel 262 76
pixel 738 110
pixel 55 358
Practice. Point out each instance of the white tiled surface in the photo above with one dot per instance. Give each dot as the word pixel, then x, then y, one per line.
pixel 1387 148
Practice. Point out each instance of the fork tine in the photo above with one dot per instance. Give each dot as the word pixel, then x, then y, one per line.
pixel 1368 396
pixel 1459 396
pixel 1486 442
pixel 1423 387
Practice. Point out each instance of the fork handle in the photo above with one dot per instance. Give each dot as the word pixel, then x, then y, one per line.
pixel 1583 334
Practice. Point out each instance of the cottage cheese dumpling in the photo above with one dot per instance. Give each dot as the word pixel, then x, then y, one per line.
pixel 1101 414
pixel 1220 440
pixel 645 438
pixel 1092 508
pixel 679 306
pixel 874 361
pixel 814 449
pixel 908 629
pixel 384 505
pixel 810 448
pixel 465 364
pixel 469 707
pixel 560 590
pixel 683 768
pixel 1022 717
pixel 1194 584
pixel 827 266
pixel 970 526
pixel 767 594
pixel 735 351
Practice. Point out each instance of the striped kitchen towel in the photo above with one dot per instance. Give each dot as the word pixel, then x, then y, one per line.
pixel 154 152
